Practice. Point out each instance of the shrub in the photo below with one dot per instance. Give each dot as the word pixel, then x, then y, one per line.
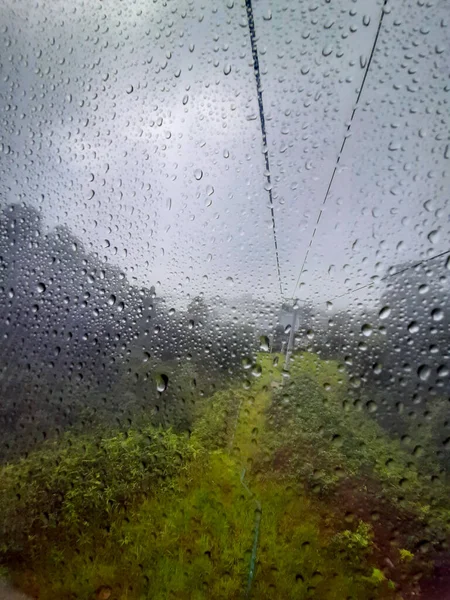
pixel 354 544
pixel 70 485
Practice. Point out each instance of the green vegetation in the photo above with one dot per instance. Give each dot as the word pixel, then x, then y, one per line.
pixel 347 512
pixel 326 439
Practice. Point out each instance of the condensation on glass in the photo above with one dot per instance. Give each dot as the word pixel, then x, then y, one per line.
pixel 224 318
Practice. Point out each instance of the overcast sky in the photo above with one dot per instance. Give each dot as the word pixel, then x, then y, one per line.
pixel 136 125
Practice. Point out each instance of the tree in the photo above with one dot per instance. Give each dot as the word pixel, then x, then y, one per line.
pixel 198 310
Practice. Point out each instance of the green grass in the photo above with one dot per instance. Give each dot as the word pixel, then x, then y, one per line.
pixel 194 541
pixel 327 437
pixel 158 515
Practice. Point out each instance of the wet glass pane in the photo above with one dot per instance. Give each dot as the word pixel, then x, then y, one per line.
pixel 224 282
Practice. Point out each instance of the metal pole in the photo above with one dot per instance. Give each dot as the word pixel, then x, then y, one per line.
pixel 290 345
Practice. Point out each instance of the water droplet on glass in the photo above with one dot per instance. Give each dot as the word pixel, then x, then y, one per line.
pixel 41 288
pixel 162 381
pixel 246 363
pixel 198 174
pixel 424 372
pixel 434 236
pixel 355 382
pixel 437 314
pixel 443 371
pixel 394 146
pixel 256 371
pixel 384 312
pixel 367 330
pixel 264 343
pixel 413 327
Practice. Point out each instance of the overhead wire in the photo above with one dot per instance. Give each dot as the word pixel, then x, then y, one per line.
pixel 391 275
pixel 268 187
pixel 330 183
pixel 357 289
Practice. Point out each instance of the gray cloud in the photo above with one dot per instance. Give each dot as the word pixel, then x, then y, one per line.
pixel 137 126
